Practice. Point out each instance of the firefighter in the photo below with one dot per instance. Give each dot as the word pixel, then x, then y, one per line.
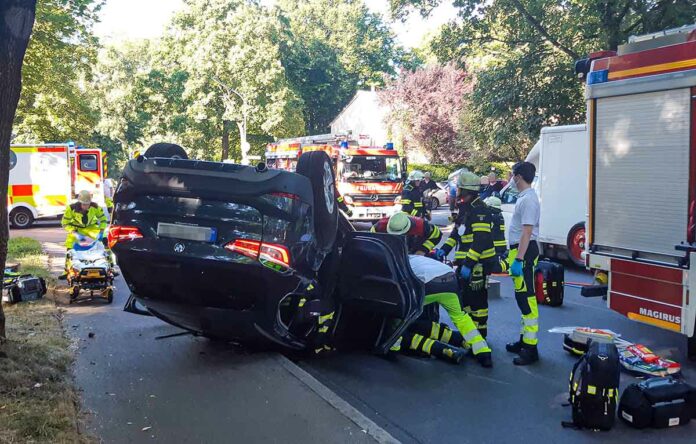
pixel 475 254
pixel 523 257
pixel 83 219
pixel 421 235
pixel 498 227
pixel 432 338
pixel 412 196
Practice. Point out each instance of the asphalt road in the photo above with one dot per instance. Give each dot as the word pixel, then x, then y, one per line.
pixel 191 390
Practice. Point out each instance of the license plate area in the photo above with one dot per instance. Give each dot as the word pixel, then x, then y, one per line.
pixel 187 232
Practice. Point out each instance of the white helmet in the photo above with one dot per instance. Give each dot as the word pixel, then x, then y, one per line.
pixel 415 175
pixel 493 202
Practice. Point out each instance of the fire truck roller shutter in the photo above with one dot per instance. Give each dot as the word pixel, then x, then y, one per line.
pixel 641 173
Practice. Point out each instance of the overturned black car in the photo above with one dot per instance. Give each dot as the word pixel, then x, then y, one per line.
pixel 257 255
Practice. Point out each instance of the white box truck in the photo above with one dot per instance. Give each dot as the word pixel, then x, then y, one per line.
pixel 561 159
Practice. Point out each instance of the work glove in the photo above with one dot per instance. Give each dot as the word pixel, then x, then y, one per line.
pixel 465 272
pixel 440 254
pixel 516 268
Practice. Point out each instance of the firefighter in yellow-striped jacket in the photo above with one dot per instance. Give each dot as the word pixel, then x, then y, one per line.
pixel 412 196
pixel 498 227
pixel 475 254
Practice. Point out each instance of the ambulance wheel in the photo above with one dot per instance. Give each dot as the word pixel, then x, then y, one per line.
pixel 170 150
pixel 21 218
pixel 576 244
pixel 317 167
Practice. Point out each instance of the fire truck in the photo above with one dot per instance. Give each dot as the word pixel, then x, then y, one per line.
pixel 45 177
pixel 641 226
pixel 369 178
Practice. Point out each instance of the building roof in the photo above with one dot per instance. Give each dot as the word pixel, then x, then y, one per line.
pixel 359 93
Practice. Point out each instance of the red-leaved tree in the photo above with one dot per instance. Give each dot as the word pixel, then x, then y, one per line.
pixel 426 105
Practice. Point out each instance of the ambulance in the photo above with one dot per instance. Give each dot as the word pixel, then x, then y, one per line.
pixel 369 178
pixel 44 178
pixel 641 224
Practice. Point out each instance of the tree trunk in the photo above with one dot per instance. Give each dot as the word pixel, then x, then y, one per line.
pixel 225 140
pixel 16 23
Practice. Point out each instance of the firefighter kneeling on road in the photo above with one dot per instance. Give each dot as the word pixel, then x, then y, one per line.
pixel 421 235
pixel 475 254
pixel 83 219
pixel 435 339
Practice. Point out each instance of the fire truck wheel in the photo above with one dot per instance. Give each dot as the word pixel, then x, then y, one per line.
pixel 21 218
pixel 166 150
pixel 576 244
pixel 316 166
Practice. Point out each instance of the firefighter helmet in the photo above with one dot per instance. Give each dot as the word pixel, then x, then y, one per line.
pixel 493 202
pixel 399 223
pixel 415 175
pixel 469 181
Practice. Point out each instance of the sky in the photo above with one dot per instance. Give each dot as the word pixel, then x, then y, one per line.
pixel 133 19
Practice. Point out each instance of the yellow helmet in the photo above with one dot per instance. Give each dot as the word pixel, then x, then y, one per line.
pixel 493 202
pixel 399 223
pixel 469 181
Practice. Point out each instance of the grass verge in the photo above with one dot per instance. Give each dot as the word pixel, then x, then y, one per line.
pixel 38 401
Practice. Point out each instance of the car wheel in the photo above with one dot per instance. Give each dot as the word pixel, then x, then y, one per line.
pixel 316 166
pixel 434 203
pixel 170 150
pixel 576 244
pixel 21 218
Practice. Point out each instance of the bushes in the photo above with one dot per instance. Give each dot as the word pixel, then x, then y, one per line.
pixel 19 247
pixel 440 172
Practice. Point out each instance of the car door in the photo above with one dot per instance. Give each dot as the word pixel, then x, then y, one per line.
pixel 376 282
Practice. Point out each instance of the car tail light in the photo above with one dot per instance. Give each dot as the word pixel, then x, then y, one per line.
pixel 118 233
pixel 261 251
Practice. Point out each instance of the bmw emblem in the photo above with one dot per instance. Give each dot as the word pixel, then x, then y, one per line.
pixel 179 248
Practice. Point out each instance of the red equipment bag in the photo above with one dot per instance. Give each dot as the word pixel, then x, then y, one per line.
pixel 549 278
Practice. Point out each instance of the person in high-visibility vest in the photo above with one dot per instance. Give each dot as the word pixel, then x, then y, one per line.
pixel 82 220
pixel 412 196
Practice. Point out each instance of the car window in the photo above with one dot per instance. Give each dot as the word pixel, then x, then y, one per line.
pixel 88 162
pixel 510 194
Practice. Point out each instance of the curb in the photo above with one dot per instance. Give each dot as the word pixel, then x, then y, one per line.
pixel 366 424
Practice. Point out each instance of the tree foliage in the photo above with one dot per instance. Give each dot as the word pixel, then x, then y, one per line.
pixel 427 105
pixel 54 105
pixel 522 53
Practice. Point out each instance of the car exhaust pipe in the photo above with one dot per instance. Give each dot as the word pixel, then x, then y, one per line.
pixel 261 167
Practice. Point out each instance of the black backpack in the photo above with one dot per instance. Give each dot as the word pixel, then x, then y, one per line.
pixel 594 388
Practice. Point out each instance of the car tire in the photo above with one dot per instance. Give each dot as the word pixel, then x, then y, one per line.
pixel 576 244
pixel 21 218
pixel 169 150
pixel 317 167
pixel 434 203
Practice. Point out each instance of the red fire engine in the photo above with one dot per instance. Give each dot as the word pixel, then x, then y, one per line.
pixel 641 114
pixel 370 179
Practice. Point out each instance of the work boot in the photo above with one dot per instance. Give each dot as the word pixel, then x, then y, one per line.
pixel 484 359
pixel 514 347
pixel 527 355
pixel 456 356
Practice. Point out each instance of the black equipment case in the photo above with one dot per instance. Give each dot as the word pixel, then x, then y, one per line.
pixel 658 402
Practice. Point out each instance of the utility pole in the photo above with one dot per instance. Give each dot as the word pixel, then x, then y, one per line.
pixel 228 91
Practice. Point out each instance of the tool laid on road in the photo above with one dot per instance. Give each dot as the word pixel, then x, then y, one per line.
pixel 659 403
pixel 594 388
pixel 636 359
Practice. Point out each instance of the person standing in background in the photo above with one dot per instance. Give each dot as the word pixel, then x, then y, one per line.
pixel 523 257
